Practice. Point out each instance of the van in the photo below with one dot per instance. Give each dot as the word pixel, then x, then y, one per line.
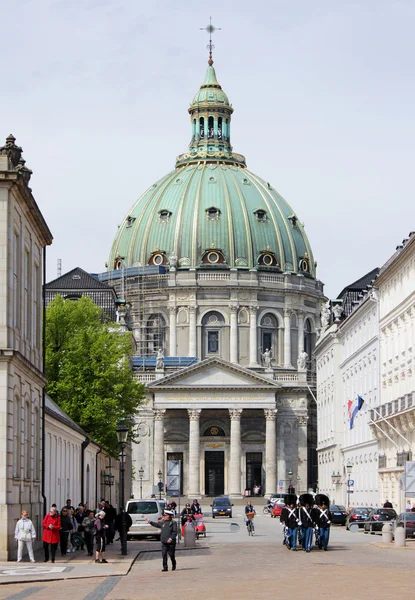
pixel 139 511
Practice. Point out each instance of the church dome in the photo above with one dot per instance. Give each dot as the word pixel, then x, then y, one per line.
pixel 211 211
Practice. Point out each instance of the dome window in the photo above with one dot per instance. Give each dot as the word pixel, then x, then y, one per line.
pixel 267 259
pixel 130 221
pixel 261 215
pixel 164 215
pixel 213 256
pixel 212 179
pixel 293 220
pixel 246 181
pixel 213 213
pixel 118 262
pixel 304 264
pixel 178 180
pixel 158 258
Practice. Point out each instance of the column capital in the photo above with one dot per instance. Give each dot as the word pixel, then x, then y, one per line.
pixel 159 413
pixel 270 414
pixel 235 414
pixel 253 309
pixel 172 309
pixel 288 312
pixel 194 413
pixel 302 419
pixel 192 309
pixel 234 309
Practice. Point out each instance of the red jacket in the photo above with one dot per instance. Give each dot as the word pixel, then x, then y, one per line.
pixel 51 536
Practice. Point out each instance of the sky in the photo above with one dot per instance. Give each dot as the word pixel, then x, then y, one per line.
pixel 96 92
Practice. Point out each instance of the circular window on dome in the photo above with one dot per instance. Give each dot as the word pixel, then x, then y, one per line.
pixel 212 213
pixel 213 257
pixel 304 264
pixel 164 215
pixel 268 259
pixel 158 259
pixel 261 215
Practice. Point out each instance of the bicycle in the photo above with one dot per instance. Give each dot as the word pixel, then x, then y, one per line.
pixel 250 527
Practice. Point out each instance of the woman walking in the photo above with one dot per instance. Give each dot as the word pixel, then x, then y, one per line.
pixel 100 528
pixel 88 524
pixel 66 528
pixel 25 534
pixel 51 526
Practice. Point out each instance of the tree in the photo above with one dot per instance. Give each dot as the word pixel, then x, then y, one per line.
pixel 89 370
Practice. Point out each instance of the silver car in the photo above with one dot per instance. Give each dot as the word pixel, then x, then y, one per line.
pixel 139 511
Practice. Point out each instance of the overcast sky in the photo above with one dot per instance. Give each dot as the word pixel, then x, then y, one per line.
pixel 97 91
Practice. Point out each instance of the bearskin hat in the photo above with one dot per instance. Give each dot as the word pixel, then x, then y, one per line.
pixel 306 499
pixel 290 499
pixel 322 499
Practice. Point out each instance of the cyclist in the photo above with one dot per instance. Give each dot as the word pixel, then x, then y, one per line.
pixel 250 512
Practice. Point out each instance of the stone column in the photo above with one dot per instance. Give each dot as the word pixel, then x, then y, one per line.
pixel 302 419
pixel 234 335
pixel 253 341
pixel 300 318
pixel 192 330
pixel 158 462
pixel 173 331
pixel 287 338
pixel 235 453
pixel 194 453
pixel 270 451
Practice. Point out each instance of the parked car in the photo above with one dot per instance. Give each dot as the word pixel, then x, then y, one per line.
pixel 358 515
pixel 221 507
pixel 277 509
pixel 377 517
pixel 277 498
pixel 408 519
pixel 139 511
pixel 338 514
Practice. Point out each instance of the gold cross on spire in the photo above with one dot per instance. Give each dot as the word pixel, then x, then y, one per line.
pixel 210 29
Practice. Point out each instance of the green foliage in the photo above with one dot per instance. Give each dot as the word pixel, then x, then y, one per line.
pixel 88 369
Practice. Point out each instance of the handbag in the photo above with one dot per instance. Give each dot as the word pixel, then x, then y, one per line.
pixel 25 535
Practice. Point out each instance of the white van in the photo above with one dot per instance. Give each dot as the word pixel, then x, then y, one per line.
pixel 139 511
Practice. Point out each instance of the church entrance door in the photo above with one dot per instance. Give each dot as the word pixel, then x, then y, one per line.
pixel 214 473
pixel 253 470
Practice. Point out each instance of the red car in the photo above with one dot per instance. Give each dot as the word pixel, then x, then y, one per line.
pixel 277 509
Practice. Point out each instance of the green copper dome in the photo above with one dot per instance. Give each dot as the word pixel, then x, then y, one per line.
pixel 211 211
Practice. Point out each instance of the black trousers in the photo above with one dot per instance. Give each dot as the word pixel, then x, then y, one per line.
pixel 64 542
pixel 52 550
pixel 168 549
pixel 89 540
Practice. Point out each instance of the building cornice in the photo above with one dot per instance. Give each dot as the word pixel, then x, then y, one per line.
pixel 9 355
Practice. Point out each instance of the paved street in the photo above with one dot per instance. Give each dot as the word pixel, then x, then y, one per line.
pixel 233 565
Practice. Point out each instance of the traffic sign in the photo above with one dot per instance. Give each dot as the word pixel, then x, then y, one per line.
pixel 350 482
pixel 280 484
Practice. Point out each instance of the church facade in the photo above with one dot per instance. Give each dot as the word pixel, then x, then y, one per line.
pixel 217 281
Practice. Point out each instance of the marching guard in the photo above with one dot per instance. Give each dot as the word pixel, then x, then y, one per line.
pixel 289 518
pixel 306 521
pixel 321 517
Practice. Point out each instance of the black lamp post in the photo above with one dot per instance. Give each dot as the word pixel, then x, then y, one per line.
pixel 349 468
pixel 290 487
pixel 160 474
pixel 141 475
pixel 122 436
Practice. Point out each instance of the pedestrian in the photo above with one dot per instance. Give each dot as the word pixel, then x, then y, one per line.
pixel 100 528
pixel 110 514
pixel 51 526
pixel 306 521
pixel 168 537
pixel 250 513
pixel 88 525
pixel 68 505
pixel 289 518
pixel 25 534
pixel 322 519
pixel 196 508
pixel 388 504
pixel 65 531
pixel 186 511
pixel 119 521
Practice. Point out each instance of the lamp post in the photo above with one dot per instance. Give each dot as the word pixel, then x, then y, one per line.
pixel 290 476
pixel 160 474
pixel 141 475
pixel 349 468
pixel 122 436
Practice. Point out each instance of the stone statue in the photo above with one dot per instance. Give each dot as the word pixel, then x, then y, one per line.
pixel 267 357
pixel 302 361
pixel 160 359
pixel 172 261
pixel 337 312
pixel 325 316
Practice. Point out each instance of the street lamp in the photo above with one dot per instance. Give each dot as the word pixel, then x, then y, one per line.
pixel 290 475
pixel 349 468
pixel 160 474
pixel 141 475
pixel 122 436
pixel 336 477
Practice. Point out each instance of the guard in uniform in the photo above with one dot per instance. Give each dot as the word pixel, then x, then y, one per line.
pixel 289 518
pixel 168 537
pixel 306 521
pixel 322 519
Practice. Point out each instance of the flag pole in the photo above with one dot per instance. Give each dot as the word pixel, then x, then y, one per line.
pixel 388 424
pixel 384 433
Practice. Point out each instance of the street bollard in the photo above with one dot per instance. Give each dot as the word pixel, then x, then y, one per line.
pixel 387 534
pixel 189 537
pixel 400 537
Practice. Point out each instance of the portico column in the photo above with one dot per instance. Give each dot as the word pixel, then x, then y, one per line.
pixel 302 419
pixel 192 330
pixel 194 453
pixel 253 342
pixel 234 335
pixel 300 320
pixel 173 331
pixel 287 338
pixel 158 463
pixel 235 452
pixel 270 451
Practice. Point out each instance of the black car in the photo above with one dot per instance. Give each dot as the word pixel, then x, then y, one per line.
pixel 358 515
pixel 409 518
pixel 221 507
pixel 338 514
pixel 377 517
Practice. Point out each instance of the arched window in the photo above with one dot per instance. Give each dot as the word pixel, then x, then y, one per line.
pixel 270 337
pixel 227 130
pixel 16 437
pixel 156 333
pixel 213 330
pixel 202 127
pixel 219 128
pixel 211 130
pixel 36 444
pixel 214 431
pixel 308 338
pixel 27 441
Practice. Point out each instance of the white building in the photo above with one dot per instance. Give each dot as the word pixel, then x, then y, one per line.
pixel 396 430
pixel 347 364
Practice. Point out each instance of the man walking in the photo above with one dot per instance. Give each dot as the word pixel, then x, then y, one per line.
pixel 306 521
pixel 168 537
pixel 289 518
pixel 322 518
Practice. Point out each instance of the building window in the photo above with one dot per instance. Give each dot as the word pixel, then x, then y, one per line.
pixel 164 215
pixel 156 334
pixel 213 342
pixel 36 305
pixel 211 130
pixel 202 128
pixel 260 214
pixel 27 294
pixel 269 336
pixel 213 323
pixel 16 437
pixel 308 338
pixel 16 280
pixel 219 128
pixel 27 440
pixel 212 213
pixel 36 443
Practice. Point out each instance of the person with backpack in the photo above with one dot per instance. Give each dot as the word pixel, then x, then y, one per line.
pixel 88 525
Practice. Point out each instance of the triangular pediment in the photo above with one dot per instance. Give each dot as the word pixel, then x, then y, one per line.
pixel 215 373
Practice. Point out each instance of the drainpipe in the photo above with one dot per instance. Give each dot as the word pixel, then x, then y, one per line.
pixel 84 445
pixel 96 474
pixel 44 371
